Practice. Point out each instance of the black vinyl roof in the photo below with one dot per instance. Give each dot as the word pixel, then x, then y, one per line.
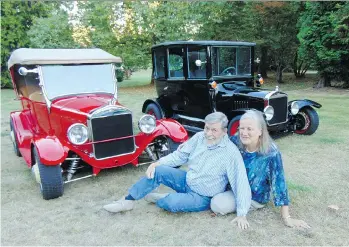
pixel 206 42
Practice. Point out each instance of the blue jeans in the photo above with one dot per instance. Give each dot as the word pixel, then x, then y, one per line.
pixel 185 200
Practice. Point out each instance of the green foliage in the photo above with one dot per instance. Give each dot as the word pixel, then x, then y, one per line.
pixel 16 19
pixel 276 30
pixel 52 32
pixel 324 36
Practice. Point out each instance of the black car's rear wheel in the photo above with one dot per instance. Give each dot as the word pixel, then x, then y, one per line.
pixel 13 135
pixel 307 121
pixel 49 177
pixel 233 125
pixel 154 110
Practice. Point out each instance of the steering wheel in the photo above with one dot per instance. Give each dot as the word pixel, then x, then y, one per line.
pixel 229 71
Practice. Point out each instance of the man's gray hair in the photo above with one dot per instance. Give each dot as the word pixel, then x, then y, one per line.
pixel 217 117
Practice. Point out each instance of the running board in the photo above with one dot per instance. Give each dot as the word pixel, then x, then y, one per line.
pixel 193 119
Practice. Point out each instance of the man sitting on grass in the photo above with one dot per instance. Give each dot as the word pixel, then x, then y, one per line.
pixel 213 162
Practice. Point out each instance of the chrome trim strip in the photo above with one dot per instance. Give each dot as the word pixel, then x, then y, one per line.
pixel 106 108
pixel 42 85
pixel 115 95
pixel 286 110
pixel 269 95
pixel 89 126
pixel 76 179
pixel 191 118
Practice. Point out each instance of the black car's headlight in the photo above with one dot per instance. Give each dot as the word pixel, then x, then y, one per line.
pixel 77 134
pixel 269 112
pixel 294 108
pixel 147 124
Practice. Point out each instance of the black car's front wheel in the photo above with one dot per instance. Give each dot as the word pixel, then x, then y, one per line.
pixel 307 121
pixel 154 110
pixel 49 178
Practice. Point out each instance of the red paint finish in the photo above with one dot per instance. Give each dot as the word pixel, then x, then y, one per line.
pixel 50 150
pixel 46 130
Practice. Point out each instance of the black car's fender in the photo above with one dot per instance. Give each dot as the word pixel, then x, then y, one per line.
pixel 164 106
pixel 305 102
pixel 235 113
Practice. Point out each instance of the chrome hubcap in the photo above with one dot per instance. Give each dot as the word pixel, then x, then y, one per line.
pixel 36 173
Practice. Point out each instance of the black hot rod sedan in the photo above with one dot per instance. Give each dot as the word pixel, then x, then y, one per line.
pixel 195 78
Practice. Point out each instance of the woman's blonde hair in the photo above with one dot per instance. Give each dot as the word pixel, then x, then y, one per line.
pixel 265 143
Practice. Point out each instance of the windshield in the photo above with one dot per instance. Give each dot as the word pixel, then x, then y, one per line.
pixel 231 61
pixel 63 80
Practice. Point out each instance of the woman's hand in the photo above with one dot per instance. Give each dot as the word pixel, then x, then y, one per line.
pixel 241 222
pixel 294 223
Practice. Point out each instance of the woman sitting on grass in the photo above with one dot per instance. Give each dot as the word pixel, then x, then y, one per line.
pixel 264 170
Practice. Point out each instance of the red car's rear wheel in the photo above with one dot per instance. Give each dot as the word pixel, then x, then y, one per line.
pixel 13 136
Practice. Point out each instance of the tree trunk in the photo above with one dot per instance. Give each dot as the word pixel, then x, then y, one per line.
pixel 263 65
pixel 279 74
pixel 323 82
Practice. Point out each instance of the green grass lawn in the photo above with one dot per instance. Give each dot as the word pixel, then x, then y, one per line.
pixel 138 78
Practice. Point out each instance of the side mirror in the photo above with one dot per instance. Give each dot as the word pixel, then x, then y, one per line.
pixel 23 71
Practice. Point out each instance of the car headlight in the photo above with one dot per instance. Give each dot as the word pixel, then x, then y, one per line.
pixel 147 124
pixel 269 112
pixel 294 108
pixel 77 134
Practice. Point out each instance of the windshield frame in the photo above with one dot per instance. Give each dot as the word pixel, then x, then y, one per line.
pixel 236 61
pixel 49 101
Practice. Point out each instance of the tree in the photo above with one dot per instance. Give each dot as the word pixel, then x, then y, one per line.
pixel 324 35
pixel 52 32
pixel 276 32
pixel 16 19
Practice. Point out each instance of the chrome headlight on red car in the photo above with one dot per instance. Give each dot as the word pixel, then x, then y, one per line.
pixel 77 134
pixel 147 124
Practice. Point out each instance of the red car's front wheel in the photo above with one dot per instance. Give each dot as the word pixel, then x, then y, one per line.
pixel 49 177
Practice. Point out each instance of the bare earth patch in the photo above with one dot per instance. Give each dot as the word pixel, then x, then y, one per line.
pixel 316 169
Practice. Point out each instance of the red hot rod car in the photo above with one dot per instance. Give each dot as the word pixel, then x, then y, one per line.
pixel 71 117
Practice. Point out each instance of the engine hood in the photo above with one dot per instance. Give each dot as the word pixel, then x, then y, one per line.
pixel 81 104
pixel 253 93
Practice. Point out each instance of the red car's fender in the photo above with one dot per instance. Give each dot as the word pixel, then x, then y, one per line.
pixel 24 134
pixel 50 150
pixel 164 127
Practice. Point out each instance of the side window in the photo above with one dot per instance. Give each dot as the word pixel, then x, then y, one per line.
pixel 159 63
pixel 244 61
pixel 28 85
pixel 175 62
pixel 197 62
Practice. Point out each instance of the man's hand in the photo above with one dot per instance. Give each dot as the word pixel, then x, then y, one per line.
pixel 296 223
pixel 151 170
pixel 241 222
